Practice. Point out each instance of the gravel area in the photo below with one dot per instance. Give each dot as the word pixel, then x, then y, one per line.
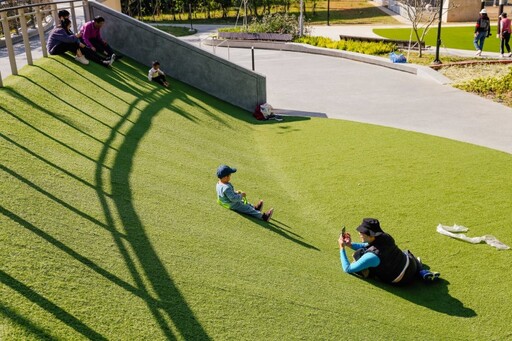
pixel 461 74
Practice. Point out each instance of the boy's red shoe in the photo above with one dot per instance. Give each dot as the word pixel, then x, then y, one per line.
pixel 259 206
pixel 267 215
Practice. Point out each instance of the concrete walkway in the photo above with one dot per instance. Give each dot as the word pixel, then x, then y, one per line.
pixel 344 89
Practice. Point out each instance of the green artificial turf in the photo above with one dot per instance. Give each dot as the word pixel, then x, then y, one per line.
pixel 176 31
pixel 451 37
pixel 110 229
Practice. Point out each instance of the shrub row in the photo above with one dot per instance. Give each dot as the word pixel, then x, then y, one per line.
pixel 488 85
pixel 373 48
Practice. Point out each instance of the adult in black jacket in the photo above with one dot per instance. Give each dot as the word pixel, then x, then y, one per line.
pixel 482 31
pixel 379 256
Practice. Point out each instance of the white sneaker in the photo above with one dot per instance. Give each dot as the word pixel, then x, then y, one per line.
pixel 501 55
pixel 82 60
pixel 108 62
pixel 479 52
pixel 510 54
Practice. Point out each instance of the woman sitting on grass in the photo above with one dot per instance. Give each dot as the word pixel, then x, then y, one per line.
pixel 378 256
pixel 60 42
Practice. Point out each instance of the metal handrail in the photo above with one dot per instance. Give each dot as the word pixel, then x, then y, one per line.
pixel 38 5
pixel 24 30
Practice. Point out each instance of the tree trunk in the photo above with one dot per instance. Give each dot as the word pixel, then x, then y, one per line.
pixel 418 39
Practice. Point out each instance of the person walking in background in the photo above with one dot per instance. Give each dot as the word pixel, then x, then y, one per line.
pixel 504 33
pixel 482 31
pixel 157 75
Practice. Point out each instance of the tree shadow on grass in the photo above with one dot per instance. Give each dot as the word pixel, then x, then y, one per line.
pixel 40 131
pixel 152 282
pixel 28 325
pixel 149 275
pixel 48 162
pixel 434 296
pixel 172 305
pixel 47 305
pixel 129 69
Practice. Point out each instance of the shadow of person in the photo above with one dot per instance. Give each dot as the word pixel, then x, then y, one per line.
pixel 434 296
pixel 280 230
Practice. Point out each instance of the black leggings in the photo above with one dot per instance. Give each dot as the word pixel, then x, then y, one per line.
pixel 101 47
pixel 91 55
pixel 159 79
pixel 504 41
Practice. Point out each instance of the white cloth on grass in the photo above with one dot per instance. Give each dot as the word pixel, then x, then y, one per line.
pixel 454 232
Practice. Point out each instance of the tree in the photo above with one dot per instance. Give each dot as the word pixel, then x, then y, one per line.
pixel 422 14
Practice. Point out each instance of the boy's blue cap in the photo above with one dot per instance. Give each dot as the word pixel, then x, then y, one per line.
pixel 225 170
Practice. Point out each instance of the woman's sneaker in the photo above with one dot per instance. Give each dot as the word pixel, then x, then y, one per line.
pixel 429 276
pixel 82 60
pixel 108 62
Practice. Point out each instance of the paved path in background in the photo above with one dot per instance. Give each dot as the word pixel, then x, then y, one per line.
pixel 344 89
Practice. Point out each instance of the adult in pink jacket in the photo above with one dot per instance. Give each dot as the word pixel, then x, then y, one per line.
pixel 91 37
pixel 504 33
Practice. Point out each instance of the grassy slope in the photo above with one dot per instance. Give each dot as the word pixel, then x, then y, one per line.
pixel 452 37
pixel 110 227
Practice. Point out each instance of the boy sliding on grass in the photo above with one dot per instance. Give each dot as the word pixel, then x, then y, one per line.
pixel 378 256
pixel 237 201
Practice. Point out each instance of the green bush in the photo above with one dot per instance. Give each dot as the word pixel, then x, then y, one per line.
pixel 270 23
pixel 372 48
pixel 488 85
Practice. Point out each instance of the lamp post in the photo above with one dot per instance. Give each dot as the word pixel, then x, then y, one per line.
pixel 301 19
pixel 328 11
pixel 190 16
pixel 438 42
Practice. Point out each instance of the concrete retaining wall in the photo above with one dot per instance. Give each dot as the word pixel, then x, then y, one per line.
pixel 178 59
pixel 419 70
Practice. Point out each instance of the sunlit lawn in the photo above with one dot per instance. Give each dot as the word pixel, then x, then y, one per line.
pixel 110 228
pixel 451 37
